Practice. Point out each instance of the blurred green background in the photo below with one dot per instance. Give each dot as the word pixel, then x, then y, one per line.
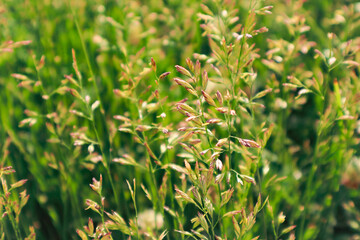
pixel 112 32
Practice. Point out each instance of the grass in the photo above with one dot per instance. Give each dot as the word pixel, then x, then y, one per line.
pixel 179 120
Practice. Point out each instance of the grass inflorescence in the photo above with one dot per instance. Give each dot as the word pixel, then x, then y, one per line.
pixel 216 119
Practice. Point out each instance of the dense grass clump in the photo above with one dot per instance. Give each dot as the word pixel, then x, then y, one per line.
pixel 179 119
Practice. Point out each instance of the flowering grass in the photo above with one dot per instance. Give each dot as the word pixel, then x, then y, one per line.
pixel 179 120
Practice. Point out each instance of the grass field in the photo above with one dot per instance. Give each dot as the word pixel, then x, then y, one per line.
pixel 179 119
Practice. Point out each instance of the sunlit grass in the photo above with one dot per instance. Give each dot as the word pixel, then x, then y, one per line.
pixel 179 120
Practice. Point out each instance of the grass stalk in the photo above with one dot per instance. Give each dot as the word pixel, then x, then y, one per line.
pixel 106 155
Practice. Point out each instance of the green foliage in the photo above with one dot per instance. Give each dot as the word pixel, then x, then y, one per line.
pixel 200 119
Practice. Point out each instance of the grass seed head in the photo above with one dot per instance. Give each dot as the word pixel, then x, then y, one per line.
pixel 183 71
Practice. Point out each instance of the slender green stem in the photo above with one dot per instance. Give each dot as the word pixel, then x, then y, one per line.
pixel 263 213
pixel 106 155
pixel 136 213
pixel 314 163
pixel 167 160
pixel 308 189
pixel 66 173
pixel 212 225
pixel 106 163
pixel 14 224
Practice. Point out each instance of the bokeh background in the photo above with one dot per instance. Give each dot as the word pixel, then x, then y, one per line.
pixel 113 33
